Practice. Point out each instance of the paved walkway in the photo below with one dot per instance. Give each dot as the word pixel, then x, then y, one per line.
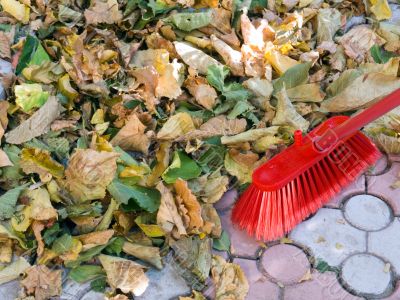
pixel 350 249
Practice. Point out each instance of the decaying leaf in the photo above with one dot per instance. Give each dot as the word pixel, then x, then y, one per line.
pixel 124 274
pixel 229 279
pixel 42 282
pixel 89 172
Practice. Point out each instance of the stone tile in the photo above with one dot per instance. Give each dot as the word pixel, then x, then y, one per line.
pixel 396 293
pixel 366 274
pixel 224 254
pixel 386 243
pixel 380 186
pixel 227 200
pixel 357 187
pixel 241 243
pixel 72 290
pixel 394 157
pixel 260 288
pixel 322 286
pixel 286 264
pixel 9 290
pixel 329 236
pixel 367 212
pixel 165 284
pixel 380 167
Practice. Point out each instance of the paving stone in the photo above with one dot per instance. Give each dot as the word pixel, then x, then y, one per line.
pixel 380 167
pixel 241 243
pixel 260 288
pixel 227 200
pixel 329 236
pixel 165 284
pixel 72 290
pixel 366 274
pixel 322 286
pixel 367 212
pixel 357 187
pixel 394 157
pixel 386 243
pixel 9 290
pixel 380 186
pixel 286 264
pixel 224 254
pixel 396 293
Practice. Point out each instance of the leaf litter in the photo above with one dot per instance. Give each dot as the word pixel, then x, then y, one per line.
pixel 124 122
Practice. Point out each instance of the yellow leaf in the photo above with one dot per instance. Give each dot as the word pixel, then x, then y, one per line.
pixel 16 9
pixel 381 9
pixel 150 230
pixel 98 117
pixel 22 220
pixel 42 210
pixel 176 126
pixel 281 63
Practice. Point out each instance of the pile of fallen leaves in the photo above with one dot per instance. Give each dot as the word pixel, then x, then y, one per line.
pixel 124 121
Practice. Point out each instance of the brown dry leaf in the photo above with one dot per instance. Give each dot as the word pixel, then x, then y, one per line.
pixel 203 93
pixel 42 283
pixel 89 172
pixel 96 238
pixel 132 136
pixel 103 11
pixel 124 274
pixel 6 251
pixel 3 117
pixel 210 188
pixel 41 207
pixel 306 93
pixel 216 126
pixel 232 58
pixel 148 254
pixel 148 78
pixel 38 124
pixel 212 222
pixel 241 165
pixel 168 217
pixel 359 40
pixel 162 156
pixel 37 228
pixel 5 49
pixel 229 279
pixel 176 126
pixel 188 207
pixel 4 160
pixel 361 92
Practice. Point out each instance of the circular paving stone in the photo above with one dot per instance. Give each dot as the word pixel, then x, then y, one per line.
pixel 286 264
pixel 367 212
pixel 366 274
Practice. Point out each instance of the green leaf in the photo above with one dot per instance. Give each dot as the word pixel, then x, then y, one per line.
pixel 62 244
pixel 8 202
pixel 294 76
pixel 50 234
pixel 99 285
pixel 39 56
pixel 87 255
pixel 212 159
pixel 29 96
pixel 183 167
pixel 380 55
pixel 322 267
pixel 235 92
pixel 12 173
pixel 190 21
pixel 32 54
pixel 216 75
pixel 116 246
pixel 134 197
pixel 342 82
pixel 223 243
pixel 240 108
pixel 84 273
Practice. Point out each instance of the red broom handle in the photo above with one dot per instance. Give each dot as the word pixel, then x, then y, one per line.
pixel 358 121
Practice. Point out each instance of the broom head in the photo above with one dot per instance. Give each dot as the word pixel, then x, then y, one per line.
pixel 301 179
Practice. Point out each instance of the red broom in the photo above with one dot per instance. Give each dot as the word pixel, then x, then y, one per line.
pixel 298 181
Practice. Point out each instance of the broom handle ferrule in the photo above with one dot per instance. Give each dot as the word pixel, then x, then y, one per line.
pixel 358 121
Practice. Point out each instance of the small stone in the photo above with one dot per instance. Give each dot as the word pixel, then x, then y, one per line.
pixel 324 223
pixel 386 243
pixel 285 263
pixel 367 212
pixel 364 273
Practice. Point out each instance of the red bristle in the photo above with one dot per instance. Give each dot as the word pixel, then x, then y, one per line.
pixel 269 215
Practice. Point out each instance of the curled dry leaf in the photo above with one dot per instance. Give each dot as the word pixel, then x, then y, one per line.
pixel 210 188
pixel 132 136
pixel 229 279
pixel 232 58
pixel 168 217
pixel 103 11
pixel 148 254
pixel 176 126
pixel 203 93
pixel 124 274
pixel 96 238
pixel 41 207
pixel 306 93
pixel 188 205
pixel 89 172
pixel 42 282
